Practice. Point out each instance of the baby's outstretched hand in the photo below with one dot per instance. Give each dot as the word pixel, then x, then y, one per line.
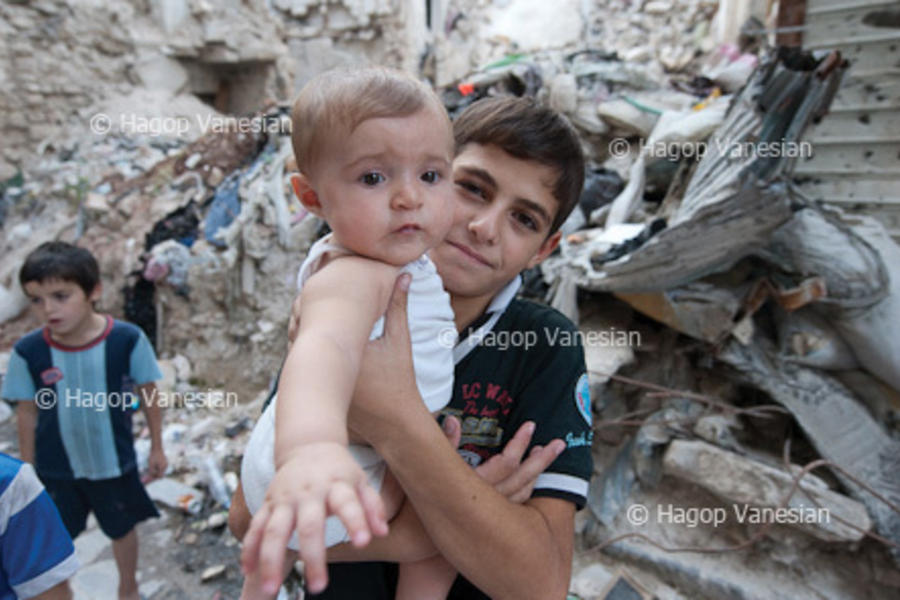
pixel 316 480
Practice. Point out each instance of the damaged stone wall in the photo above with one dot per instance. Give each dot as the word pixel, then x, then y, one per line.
pixel 663 35
pixel 61 61
pixel 155 61
pixel 326 34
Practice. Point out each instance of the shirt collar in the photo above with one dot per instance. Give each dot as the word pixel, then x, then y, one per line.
pixel 505 296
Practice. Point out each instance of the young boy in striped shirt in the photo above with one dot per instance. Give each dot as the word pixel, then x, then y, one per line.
pixel 76 381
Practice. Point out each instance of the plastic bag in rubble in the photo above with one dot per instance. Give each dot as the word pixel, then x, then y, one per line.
pixel 169 260
pixel 226 206
pixel 874 334
pixel 215 482
pixel 672 135
pixel 861 268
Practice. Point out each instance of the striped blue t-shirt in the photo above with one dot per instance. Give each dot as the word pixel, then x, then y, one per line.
pixel 84 397
pixel 36 552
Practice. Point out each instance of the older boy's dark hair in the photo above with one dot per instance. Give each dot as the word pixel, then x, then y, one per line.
pixel 528 131
pixel 64 261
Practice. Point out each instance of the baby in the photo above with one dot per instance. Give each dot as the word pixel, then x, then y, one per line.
pixel 374 148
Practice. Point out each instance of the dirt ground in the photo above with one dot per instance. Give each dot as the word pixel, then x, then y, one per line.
pixel 174 551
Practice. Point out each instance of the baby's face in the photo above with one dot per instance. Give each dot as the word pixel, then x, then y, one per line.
pixel 385 189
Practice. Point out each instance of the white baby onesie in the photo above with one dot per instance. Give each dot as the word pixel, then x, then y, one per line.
pixel 432 334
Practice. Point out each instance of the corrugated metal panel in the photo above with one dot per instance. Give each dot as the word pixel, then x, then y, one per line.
pixel 856 148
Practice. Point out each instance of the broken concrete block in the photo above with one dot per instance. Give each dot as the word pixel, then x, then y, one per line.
pixel 868 287
pixel 193 160
pixel 166 385
pixel 750 484
pixel 536 25
pixel 624 588
pixel 96 204
pixel 182 367
pixel 699 309
pixel 161 73
pixel 807 338
pixel 12 303
pixel 624 115
pixel 217 520
pixel 585 117
pixel 658 7
pixel 590 581
pixel 175 494
pixel 840 428
pixel 171 13
pixel 212 572
pixel 564 93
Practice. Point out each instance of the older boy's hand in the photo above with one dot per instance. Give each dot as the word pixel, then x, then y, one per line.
pixel 508 472
pixel 157 463
pixel 316 480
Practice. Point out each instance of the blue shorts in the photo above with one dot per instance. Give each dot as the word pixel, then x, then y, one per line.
pixel 119 503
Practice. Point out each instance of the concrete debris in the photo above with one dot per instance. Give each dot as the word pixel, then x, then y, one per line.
pixel 176 495
pixel 840 428
pixel 217 520
pixel 735 198
pixel 760 487
pixel 735 344
pixel 863 294
pixel 806 338
pixel 212 573
pixel 598 582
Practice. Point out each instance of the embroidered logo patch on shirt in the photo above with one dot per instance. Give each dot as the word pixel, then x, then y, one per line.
pixel 51 376
pixel 583 397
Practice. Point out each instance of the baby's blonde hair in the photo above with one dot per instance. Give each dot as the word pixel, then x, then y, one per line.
pixel 336 102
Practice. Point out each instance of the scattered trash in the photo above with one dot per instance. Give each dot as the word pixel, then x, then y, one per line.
pixel 175 494
pixel 753 349
pixel 215 482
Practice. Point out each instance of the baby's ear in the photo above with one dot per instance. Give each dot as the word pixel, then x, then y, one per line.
pixel 306 194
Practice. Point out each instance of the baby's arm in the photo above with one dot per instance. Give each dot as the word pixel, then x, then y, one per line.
pixel 315 473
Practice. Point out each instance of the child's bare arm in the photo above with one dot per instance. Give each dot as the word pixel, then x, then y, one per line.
pixel 26 421
pixel 150 404
pixel 315 473
pixel 339 305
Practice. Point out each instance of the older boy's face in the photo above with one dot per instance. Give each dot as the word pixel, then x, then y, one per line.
pixel 61 305
pixel 503 211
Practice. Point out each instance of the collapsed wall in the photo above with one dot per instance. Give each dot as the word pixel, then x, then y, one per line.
pixel 62 59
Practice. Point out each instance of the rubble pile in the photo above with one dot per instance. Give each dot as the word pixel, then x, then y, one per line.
pixel 748 364
pixel 62 62
pixel 764 381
